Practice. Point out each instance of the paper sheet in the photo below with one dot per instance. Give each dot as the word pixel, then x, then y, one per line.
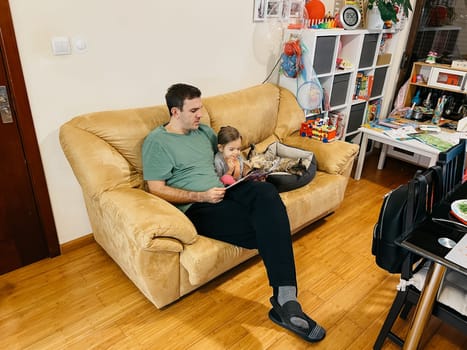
pixel 458 254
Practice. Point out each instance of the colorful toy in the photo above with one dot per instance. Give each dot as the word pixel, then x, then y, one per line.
pixel 291 56
pixel 319 129
pixel 228 180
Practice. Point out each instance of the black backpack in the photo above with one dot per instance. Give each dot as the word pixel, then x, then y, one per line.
pixel 402 210
pixel 392 222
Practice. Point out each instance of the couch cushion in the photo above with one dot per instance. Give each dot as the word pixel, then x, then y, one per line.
pixel 290 116
pixel 320 197
pixel 332 157
pixel 208 258
pixel 252 111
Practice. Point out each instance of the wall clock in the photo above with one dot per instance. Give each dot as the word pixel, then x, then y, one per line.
pixel 350 17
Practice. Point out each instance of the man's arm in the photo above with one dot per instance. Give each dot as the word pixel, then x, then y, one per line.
pixel 179 196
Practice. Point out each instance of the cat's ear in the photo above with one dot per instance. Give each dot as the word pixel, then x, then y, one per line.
pixel 251 152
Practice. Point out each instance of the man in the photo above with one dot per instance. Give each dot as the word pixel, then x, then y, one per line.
pixel 178 166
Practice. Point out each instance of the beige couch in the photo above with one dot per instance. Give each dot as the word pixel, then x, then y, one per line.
pixel 153 242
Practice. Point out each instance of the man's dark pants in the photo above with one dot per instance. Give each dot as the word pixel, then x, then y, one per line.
pixel 252 215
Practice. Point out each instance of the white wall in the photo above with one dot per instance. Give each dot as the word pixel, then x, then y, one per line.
pixel 135 51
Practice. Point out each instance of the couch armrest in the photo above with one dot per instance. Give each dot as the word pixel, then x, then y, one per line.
pixel 149 221
pixel 333 157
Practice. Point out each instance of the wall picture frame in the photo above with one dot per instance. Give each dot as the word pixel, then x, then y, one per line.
pixel 259 10
pixel 277 9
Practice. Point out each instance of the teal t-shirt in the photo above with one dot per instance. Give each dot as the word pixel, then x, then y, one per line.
pixel 182 161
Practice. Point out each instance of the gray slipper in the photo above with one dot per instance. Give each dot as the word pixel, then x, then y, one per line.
pixel 282 315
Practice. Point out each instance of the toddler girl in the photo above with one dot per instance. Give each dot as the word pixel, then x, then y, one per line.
pixel 229 162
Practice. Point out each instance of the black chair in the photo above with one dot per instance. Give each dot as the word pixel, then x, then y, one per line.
pixel 452 163
pixel 429 187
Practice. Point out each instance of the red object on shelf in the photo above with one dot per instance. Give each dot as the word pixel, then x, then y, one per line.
pixel 315 9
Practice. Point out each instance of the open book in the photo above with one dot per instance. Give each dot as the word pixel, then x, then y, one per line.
pixel 255 174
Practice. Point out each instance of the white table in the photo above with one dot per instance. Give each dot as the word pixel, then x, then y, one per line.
pixel 414 146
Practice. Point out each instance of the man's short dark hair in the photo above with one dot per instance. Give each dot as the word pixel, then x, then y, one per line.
pixel 178 93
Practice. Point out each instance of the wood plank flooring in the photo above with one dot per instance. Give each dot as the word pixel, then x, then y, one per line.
pixel 81 299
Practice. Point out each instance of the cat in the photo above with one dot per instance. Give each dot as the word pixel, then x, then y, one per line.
pixel 270 162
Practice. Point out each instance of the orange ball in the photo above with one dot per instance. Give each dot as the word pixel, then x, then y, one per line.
pixel 315 9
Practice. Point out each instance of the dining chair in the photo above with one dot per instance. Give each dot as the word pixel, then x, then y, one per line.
pixel 430 187
pixel 452 163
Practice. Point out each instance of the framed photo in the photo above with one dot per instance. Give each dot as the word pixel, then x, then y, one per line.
pixel 264 9
pixel 274 8
pixel 296 8
pixel 259 10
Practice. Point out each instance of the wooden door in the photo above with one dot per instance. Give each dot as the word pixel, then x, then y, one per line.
pixel 27 229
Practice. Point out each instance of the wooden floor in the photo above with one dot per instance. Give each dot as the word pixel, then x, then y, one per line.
pixel 81 299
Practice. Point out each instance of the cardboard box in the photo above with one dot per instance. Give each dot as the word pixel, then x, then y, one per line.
pixel 384 58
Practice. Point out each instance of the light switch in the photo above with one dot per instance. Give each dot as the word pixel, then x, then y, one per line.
pixel 80 45
pixel 61 45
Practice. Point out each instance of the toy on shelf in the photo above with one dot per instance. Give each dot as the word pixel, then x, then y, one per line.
pixel 291 56
pixel 431 57
pixel 315 9
pixel 318 128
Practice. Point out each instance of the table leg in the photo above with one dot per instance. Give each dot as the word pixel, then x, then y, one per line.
pixel 425 305
pixel 382 156
pixel 361 157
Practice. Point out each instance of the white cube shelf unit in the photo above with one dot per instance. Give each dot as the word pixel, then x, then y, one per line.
pixel 368 53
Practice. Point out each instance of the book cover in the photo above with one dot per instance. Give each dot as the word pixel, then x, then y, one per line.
pixel 432 140
pixel 254 175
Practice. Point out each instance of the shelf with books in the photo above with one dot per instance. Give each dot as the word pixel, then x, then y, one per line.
pixel 338 56
pixel 373 111
pixel 363 85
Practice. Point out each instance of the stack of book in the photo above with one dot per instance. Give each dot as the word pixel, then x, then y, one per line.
pixel 363 85
pixel 373 111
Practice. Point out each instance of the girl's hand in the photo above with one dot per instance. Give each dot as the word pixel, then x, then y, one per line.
pixel 234 167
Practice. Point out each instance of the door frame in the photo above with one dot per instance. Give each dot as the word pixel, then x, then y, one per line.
pixel 20 103
pixel 405 66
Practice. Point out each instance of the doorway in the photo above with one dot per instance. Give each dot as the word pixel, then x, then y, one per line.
pixel 27 228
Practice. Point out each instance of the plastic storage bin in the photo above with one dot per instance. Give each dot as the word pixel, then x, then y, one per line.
pixel 370 41
pixel 356 117
pixel 324 54
pixel 340 87
pixel 378 81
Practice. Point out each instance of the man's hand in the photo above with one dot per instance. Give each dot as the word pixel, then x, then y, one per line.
pixel 179 196
pixel 214 195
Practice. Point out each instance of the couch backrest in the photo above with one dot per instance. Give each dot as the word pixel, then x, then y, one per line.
pixel 104 148
pixel 263 113
pixel 252 111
